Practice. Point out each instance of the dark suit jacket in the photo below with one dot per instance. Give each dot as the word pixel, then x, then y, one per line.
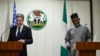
pixel 26 34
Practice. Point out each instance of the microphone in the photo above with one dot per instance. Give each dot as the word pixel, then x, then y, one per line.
pixel 5 31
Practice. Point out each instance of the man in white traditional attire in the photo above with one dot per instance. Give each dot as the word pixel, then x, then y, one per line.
pixel 78 33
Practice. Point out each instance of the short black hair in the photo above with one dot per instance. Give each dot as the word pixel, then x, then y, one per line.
pixel 20 15
pixel 74 15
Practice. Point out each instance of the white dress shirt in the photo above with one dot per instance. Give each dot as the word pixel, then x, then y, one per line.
pixel 20 29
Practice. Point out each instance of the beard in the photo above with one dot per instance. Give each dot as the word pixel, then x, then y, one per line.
pixel 76 25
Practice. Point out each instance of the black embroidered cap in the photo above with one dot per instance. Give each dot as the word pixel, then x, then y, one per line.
pixel 74 15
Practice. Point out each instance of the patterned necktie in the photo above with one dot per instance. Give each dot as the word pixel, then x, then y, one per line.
pixel 18 33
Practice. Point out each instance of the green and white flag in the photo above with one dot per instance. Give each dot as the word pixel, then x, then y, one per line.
pixel 64 51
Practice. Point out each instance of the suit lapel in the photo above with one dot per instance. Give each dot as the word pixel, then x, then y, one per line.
pixel 23 29
pixel 15 31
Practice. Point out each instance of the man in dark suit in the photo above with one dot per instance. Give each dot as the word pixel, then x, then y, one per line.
pixel 21 33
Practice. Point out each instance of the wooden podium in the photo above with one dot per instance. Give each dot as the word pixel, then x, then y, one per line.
pixel 87 48
pixel 10 48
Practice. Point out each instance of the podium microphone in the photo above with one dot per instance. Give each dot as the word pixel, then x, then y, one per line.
pixel 5 31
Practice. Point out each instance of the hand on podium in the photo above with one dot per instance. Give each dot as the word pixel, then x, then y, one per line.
pixel 74 46
pixel 21 40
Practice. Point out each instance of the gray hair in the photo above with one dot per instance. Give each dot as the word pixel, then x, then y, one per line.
pixel 20 15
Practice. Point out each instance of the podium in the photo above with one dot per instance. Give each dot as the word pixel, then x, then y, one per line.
pixel 10 48
pixel 87 48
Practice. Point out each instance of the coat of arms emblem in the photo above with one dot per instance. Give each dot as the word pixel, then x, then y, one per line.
pixel 36 19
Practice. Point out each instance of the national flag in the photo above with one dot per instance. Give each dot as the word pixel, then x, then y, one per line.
pixel 14 14
pixel 7 24
pixel 64 51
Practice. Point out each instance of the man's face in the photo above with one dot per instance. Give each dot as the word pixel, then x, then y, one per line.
pixel 19 21
pixel 76 22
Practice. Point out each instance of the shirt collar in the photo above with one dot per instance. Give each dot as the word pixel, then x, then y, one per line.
pixel 20 27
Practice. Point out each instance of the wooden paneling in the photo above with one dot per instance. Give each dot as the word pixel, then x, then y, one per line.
pixel 10 48
pixel 88 45
pixel 87 53
pixel 87 48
